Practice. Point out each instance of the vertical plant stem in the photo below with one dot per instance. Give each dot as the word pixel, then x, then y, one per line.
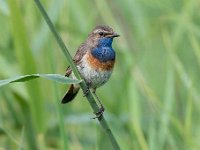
pixel 89 96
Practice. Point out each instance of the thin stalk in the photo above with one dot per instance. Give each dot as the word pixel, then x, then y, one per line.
pixel 83 85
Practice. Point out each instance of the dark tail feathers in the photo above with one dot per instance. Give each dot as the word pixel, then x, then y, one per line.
pixel 70 95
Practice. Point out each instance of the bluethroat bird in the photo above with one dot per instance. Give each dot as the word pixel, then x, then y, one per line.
pixel 95 60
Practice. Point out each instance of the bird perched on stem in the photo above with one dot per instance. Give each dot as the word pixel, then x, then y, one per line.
pixel 95 60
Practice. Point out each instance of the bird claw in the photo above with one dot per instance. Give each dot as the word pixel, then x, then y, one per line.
pixel 99 113
pixel 85 93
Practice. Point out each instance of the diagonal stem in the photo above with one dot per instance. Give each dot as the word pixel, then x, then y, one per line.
pixel 83 85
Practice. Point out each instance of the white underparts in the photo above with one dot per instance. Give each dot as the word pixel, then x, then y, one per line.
pixel 94 77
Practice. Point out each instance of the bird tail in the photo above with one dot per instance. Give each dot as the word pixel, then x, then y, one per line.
pixel 71 93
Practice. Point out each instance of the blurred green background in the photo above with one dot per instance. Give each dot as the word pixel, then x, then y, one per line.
pixel 152 99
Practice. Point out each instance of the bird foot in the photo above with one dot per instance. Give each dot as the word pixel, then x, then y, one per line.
pixel 85 93
pixel 87 90
pixel 99 113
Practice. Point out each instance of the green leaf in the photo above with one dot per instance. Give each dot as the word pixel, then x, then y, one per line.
pixel 54 77
pixel 60 78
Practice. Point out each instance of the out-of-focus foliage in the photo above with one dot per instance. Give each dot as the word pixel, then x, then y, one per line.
pixel 152 99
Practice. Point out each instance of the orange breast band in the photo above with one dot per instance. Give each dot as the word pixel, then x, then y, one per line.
pixel 96 64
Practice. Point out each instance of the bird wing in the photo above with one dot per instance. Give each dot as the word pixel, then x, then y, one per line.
pixel 77 58
pixel 80 53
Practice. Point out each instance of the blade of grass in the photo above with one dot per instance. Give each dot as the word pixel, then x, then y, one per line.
pixel 167 108
pixel 29 130
pixel 195 47
pixel 54 77
pixel 188 120
pixel 21 144
pixel 134 107
pixel 179 67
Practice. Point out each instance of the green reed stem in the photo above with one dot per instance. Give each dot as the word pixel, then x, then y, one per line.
pixel 83 85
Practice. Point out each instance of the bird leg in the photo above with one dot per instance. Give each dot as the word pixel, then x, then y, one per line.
pixel 99 113
pixel 87 90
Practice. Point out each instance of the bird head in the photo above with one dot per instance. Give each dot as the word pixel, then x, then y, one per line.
pixel 102 36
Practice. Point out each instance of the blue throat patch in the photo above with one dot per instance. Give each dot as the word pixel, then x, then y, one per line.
pixel 104 51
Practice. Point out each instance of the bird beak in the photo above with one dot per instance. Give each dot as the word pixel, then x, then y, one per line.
pixel 115 35
pixel 112 35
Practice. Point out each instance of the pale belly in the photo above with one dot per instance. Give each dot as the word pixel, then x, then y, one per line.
pixel 94 77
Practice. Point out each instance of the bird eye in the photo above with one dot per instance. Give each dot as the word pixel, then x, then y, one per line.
pixel 101 33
